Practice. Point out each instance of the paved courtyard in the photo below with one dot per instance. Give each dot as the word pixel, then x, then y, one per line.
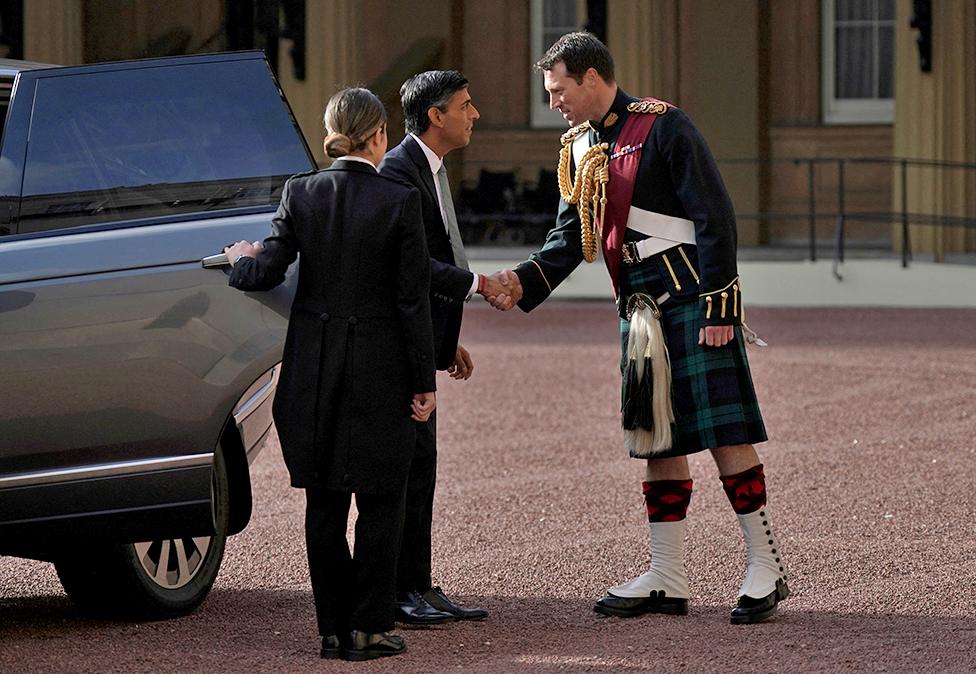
pixel 871 467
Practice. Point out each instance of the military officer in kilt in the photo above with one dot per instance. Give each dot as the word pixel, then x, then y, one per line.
pixel 638 181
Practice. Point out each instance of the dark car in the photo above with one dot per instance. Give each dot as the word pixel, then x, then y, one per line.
pixel 135 385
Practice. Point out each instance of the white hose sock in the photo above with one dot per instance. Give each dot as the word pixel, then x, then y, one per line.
pixel 667 571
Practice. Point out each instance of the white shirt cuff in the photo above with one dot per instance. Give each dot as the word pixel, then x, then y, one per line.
pixel 474 286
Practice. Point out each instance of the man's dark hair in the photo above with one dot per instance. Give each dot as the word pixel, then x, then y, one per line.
pixel 431 89
pixel 579 52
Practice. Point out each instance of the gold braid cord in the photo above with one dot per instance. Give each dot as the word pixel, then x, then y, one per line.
pixel 589 191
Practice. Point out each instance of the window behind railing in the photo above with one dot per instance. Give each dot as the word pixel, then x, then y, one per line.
pixel 859 61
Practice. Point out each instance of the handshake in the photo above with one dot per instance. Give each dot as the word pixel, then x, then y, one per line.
pixel 501 289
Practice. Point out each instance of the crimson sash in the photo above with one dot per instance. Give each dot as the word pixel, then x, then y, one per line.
pixel 620 190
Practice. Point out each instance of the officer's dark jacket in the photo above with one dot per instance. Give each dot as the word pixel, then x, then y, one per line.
pixel 449 285
pixel 359 341
pixel 677 176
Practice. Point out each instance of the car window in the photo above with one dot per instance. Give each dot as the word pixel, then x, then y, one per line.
pixel 155 141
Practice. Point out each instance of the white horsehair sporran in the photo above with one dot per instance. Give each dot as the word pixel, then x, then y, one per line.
pixel 647 410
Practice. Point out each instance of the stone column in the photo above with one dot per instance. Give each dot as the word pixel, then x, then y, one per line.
pixel 54 31
pixel 331 64
pixel 935 118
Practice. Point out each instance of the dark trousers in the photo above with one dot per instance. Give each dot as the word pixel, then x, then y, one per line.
pixel 414 565
pixel 357 591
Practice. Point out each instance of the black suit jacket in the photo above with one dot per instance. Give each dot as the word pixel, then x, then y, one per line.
pixel 449 285
pixel 359 341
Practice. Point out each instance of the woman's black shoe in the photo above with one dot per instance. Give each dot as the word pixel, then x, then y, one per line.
pixel 371 646
pixel 331 648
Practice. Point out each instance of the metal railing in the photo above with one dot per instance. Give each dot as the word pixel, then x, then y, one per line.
pixel 504 214
pixel 842 215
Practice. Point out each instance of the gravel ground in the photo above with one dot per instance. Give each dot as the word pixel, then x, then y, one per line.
pixel 870 471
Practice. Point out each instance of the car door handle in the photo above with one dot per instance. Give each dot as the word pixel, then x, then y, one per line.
pixel 215 261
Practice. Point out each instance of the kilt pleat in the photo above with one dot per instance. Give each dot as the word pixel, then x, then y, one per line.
pixel 712 393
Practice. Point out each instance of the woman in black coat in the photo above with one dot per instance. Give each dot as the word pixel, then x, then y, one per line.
pixel 358 367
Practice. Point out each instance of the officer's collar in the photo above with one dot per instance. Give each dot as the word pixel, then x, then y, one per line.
pixel 616 113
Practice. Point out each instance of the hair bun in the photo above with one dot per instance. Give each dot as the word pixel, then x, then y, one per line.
pixel 337 145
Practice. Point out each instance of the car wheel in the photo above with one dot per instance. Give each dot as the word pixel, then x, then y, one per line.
pixel 153 579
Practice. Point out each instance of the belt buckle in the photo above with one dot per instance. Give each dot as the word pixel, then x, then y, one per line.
pixel 630 254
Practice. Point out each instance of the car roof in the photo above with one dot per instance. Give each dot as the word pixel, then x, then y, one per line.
pixel 10 67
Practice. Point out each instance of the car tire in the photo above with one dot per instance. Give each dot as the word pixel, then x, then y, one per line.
pixel 154 579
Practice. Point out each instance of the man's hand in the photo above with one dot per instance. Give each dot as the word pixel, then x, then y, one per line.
pixel 463 366
pixel 423 405
pixel 502 289
pixel 242 248
pixel 716 335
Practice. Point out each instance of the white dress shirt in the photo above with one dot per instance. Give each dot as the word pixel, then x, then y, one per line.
pixel 435 166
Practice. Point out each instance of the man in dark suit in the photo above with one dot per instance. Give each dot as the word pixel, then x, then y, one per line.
pixel 439 116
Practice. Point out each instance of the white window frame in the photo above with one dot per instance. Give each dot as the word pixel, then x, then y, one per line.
pixel 540 116
pixel 847 110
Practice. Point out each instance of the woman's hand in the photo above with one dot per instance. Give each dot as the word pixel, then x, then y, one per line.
pixel 423 405
pixel 242 248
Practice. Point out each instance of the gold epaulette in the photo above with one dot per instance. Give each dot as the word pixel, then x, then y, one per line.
pixel 574 133
pixel 647 107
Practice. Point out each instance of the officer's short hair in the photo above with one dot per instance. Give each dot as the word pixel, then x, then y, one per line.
pixel 431 89
pixel 579 52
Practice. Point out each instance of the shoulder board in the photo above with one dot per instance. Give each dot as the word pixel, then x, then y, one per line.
pixel 574 133
pixel 648 107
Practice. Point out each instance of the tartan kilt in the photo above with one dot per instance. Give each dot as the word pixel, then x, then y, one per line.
pixel 712 394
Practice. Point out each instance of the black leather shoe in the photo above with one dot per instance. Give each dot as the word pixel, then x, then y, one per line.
pixel 751 610
pixel 413 609
pixel 331 648
pixel 365 646
pixel 435 597
pixel 631 607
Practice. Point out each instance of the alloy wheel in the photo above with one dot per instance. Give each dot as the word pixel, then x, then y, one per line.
pixel 173 562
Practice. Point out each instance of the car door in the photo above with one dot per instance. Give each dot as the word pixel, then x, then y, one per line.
pixel 119 353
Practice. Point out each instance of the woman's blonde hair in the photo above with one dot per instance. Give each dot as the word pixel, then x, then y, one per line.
pixel 351 117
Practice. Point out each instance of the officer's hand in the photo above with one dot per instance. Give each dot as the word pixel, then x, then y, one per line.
pixel 716 335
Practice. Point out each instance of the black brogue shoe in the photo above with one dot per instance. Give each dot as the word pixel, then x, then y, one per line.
pixel 412 609
pixel 436 598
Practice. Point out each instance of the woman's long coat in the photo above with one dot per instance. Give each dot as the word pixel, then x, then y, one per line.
pixel 359 341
